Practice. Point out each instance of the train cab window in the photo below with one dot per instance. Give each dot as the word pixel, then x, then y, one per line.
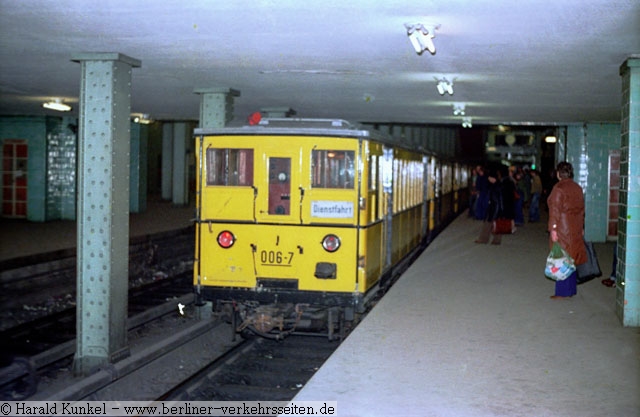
pixel 232 167
pixel 332 169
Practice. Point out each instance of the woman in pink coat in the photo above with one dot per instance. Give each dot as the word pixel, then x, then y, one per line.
pixel 566 224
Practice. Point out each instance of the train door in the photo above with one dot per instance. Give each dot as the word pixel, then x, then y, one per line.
pixel 14 178
pixel 386 168
pixel 425 197
pixel 438 194
pixel 431 195
pixel 280 203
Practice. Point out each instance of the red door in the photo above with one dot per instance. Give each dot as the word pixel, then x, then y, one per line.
pixel 14 178
pixel 280 186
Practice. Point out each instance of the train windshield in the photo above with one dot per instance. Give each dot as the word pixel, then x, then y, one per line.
pixel 232 167
pixel 332 169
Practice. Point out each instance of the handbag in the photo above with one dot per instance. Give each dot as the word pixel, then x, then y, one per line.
pixel 559 264
pixel 502 227
pixel 590 269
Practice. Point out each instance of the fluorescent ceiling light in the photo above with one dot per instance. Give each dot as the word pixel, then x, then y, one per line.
pixel 421 37
pixel 444 86
pixel 56 104
pixel 550 139
pixel 459 109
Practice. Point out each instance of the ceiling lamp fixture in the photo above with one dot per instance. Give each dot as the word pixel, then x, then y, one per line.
pixel 550 139
pixel 458 109
pixel 56 104
pixel 444 86
pixel 466 122
pixel 421 37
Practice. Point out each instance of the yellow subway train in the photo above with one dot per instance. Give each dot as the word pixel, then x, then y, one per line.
pixel 301 222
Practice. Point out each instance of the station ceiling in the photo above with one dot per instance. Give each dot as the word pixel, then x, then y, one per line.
pixel 530 62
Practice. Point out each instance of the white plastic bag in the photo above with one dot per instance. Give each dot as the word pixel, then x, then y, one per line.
pixel 559 264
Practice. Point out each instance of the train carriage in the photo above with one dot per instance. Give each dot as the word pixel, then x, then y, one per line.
pixel 301 222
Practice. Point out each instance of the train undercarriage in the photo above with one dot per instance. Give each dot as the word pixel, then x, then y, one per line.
pixel 277 321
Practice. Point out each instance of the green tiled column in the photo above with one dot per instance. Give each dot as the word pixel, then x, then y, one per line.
pixel 587 149
pixel 179 173
pixel 138 180
pixel 628 271
pixel 216 110
pixel 216 106
pixel 166 180
pixel 601 138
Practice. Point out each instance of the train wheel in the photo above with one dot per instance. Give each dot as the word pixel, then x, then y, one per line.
pixel 247 334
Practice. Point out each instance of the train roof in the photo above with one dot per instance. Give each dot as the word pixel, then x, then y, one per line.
pixel 299 127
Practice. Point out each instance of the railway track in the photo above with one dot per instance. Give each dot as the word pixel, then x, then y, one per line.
pixel 38 285
pixel 257 370
pixel 47 345
pixel 37 336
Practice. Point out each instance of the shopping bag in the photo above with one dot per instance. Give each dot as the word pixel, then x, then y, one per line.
pixel 590 269
pixel 559 264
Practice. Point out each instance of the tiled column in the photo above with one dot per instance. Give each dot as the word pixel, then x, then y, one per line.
pixel 216 110
pixel 167 161
pixel 62 144
pixel 628 270
pixel 179 186
pixel 103 210
pixel 600 139
pixel 138 184
pixel 216 106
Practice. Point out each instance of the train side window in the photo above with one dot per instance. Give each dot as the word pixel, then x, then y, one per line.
pixel 332 169
pixel 230 167
pixel 373 173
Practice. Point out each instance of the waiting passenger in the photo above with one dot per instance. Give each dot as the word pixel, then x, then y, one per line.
pixel 536 192
pixel 566 224
pixel 508 209
pixel 482 188
pixel 494 209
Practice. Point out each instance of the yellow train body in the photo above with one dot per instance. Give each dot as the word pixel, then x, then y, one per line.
pixel 306 215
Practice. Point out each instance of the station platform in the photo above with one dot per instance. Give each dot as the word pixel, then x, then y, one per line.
pixel 20 238
pixel 469 330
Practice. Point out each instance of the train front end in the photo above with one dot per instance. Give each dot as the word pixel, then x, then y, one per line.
pixel 277 238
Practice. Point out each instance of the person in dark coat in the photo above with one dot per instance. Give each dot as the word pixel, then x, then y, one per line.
pixel 494 209
pixel 536 192
pixel 566 224
pixel 482 190
pixel 508 209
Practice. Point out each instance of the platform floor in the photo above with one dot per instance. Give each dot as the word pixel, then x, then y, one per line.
pixel 22 238
pixel 469 330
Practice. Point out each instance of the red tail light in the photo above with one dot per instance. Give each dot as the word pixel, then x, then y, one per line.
pixel 226 239
pixel 331 243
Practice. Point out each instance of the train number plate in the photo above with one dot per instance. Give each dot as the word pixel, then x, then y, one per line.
pixel 276 258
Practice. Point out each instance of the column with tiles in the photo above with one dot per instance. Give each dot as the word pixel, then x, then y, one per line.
pixel 628 270
pixel 216 110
